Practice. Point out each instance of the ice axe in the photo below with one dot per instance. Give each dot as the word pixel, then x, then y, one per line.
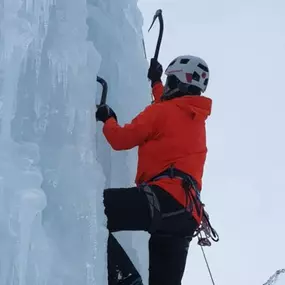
pixel 158 15
pixel 104 90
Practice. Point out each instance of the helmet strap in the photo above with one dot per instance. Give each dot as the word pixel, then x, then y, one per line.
pixel 169 94
pixel 188 89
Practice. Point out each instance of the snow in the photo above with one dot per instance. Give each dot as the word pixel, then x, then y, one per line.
pixel 278 278
pixel 54 160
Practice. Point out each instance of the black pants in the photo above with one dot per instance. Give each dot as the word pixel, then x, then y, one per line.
pixel 128 209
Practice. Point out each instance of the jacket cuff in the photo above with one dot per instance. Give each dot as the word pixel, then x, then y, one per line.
pixel 155 82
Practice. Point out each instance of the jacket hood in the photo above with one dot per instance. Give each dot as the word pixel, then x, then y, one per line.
pixel 198 107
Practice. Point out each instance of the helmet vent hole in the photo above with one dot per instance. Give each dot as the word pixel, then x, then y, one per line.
pixel 184 60
pixel 196 76
pixel 206 81
pixel 203 67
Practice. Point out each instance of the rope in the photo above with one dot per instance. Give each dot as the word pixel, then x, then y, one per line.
pixel 209 269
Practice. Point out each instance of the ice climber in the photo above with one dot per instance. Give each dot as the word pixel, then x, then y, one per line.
pixel 171 139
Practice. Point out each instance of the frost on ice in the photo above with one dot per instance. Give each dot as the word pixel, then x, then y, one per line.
pixel 54 162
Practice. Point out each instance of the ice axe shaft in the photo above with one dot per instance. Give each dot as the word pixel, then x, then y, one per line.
pixel 104 90
pixel 158 15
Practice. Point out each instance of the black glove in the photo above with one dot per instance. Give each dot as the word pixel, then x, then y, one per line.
pixel 154 71
pixel 104 112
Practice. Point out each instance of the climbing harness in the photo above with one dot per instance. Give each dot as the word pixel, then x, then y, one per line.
pixel 154 206
pixel 187 184
pixel 192 194
pixel 205 232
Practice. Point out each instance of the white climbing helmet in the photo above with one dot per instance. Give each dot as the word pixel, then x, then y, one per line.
pixel 190 70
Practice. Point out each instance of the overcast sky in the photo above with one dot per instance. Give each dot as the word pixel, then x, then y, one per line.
pixel 243 42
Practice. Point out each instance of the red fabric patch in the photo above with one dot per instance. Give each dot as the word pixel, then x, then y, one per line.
pixel 204 74
pixel 189 77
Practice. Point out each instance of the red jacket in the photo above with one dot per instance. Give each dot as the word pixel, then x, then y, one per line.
pixel 166 133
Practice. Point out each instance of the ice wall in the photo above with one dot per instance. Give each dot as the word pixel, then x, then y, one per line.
pixel 54 161
pixel 124 64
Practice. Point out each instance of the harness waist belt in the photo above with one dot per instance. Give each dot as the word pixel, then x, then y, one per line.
pixel 172 172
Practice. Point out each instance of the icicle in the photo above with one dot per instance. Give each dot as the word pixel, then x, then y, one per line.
pixel 32 202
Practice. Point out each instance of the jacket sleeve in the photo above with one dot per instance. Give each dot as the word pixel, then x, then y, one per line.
pixel 130 135
pixel 157 91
